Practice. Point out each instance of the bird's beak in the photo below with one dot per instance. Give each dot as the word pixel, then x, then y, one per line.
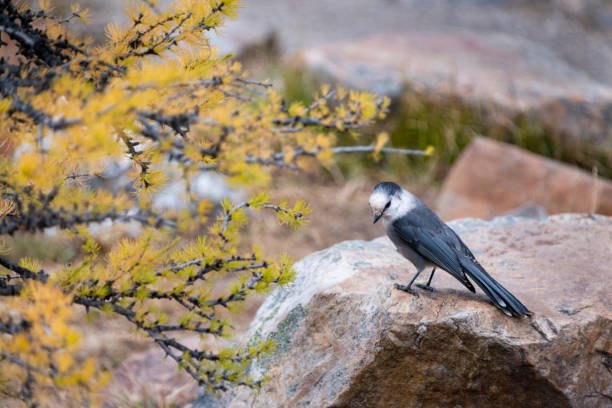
pixel 376 217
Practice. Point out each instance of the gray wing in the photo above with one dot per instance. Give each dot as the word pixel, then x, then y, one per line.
pixel 434 241
pixel 426 234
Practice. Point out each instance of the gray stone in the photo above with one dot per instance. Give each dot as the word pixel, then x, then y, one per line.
pixel 348 339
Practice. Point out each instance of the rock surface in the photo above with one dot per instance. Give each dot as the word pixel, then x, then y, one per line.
pixel 346 338
pixel 491 178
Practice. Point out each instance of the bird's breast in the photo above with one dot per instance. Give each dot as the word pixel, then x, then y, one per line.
pixel 403 248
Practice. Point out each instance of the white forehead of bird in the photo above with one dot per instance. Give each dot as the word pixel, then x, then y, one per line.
pixel 378 201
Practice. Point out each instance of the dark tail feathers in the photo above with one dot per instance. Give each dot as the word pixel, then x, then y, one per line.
pixel 496 292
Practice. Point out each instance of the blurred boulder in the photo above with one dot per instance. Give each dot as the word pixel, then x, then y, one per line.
pixel 547 59
pixel 491 178
pixel 500 73
pixel 345 338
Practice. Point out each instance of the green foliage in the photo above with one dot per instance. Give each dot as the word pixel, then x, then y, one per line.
pixel 39 246
pixel 299 84
pixel 449 125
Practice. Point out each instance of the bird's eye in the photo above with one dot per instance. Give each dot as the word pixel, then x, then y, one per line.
pixel 387 206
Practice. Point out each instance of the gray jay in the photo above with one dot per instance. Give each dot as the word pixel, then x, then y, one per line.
pixel 426 241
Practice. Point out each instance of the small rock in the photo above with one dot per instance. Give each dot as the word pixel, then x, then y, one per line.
pixel 529 210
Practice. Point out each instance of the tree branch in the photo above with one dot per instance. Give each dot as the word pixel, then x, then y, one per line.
pixel 24 273
pixel 371 149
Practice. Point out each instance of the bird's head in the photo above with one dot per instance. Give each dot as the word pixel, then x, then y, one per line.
pixel 383 199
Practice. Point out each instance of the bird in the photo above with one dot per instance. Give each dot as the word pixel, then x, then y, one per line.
pixel 426 241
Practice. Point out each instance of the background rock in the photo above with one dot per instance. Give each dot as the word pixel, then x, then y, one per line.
pixel 497 72
pixel 546 58
pixel 346 338
pixel 491 178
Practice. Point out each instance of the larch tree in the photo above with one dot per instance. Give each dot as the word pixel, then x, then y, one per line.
pixel 156 94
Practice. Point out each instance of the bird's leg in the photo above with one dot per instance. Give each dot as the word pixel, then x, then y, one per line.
pixel 428 286
pixel 406 288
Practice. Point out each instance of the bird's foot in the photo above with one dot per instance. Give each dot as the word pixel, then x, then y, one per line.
pixel 406 288
pixel 425 286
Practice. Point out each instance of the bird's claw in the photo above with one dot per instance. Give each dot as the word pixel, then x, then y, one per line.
pixel 425 286
pixel 406 288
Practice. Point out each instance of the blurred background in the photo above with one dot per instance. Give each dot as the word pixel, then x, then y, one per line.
pixel 514 95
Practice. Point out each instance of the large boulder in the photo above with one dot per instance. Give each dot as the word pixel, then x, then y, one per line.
pixel 346 338
pixel 491 178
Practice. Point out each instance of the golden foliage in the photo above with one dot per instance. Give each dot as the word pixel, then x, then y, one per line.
pixel 157 96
